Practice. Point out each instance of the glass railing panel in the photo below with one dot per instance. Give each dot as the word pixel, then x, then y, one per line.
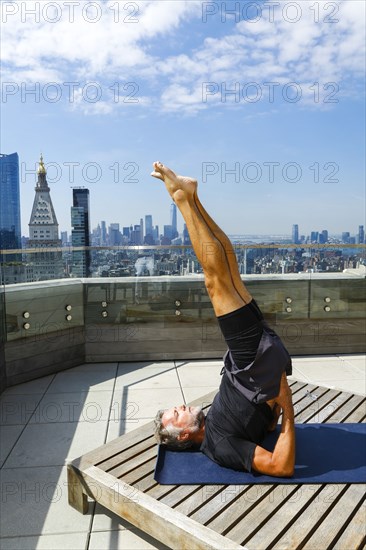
pixel 338 298
pixel 2 337
pixel 142 300
pixel 36 309
pixel 2 315
pixel 282 298
pixel 29 265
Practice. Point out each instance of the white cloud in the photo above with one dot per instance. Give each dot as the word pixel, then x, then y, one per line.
pixel 116 48
pixel 105 105
pixel 306 52
pixel 111 43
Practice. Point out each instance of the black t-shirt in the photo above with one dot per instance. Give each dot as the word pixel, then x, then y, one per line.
pixel 233 427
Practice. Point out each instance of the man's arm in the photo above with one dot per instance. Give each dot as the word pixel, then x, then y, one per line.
pixel 281 462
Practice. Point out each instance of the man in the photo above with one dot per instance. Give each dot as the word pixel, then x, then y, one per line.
pixel 254 388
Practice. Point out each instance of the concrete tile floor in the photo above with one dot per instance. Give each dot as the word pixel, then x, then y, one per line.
pixel 47 422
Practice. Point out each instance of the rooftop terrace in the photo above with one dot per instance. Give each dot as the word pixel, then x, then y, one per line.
pixel 84 361
pixel 49 421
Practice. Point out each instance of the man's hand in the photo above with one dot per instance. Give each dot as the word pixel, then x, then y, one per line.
pixel 284 398
pixel 276 411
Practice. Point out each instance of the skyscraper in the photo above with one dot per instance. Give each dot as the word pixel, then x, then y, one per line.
pixel 103 233
pixel 323 237
pixel 80 234
pixel 141 231
pixel 361 234
pixel 148 239
pixel 173 220
pixel 148 224
pixel 314 236
pixel 155 234
pixel 295 234
pixel 115 236
pixel 10 234
pixel 126 232
pixel 186 237
pixel 135 235
pixel 43 232
pixel 168 234
pixel 64 239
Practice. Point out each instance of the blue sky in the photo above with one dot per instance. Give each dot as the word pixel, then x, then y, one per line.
pixel 147 82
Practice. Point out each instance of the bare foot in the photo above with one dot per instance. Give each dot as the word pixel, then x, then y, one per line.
pixel 178 187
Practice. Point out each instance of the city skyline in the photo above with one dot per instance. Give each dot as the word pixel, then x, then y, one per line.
pixel 263 103
pixel 10 188
pixel 49 257
pixel 165 213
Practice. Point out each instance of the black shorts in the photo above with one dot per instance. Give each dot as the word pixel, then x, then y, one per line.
pixel 242 330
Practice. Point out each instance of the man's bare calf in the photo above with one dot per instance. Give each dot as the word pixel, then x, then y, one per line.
pixel 206 237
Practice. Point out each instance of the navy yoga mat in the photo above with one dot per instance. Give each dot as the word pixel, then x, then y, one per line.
pixel 325 453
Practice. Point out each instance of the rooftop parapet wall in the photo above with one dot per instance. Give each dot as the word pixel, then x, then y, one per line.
pixel 55 325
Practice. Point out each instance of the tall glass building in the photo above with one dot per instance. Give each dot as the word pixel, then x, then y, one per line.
pixel 173 220
pixel 10 232
pixel 80 234
pixel 295 233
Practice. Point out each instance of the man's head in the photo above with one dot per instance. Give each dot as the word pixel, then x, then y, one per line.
pixel 180 427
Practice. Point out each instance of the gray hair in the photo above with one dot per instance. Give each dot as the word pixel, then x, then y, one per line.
pixel 168 435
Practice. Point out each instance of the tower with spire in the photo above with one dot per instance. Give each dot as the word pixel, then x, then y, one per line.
pixel 43 232
pixel 173 220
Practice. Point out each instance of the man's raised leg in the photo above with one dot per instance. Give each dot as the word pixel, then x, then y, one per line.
pixel 209 250
pixel 229 251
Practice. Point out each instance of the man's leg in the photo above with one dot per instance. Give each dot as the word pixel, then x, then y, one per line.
pixel 209 250
pixel 229 251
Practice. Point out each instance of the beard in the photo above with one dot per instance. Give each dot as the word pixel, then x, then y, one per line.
pixel 198 420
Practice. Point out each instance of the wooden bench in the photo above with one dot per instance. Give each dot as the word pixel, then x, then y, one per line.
pixel 119 475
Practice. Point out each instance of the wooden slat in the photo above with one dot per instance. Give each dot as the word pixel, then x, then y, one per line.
pixel 177 496
pixel 273 516
pixel 126 455
pixel 243 497
pixel 303 393
pixel 106 451
pixel 143 477
pixel 153 517
pixel 198 499
pixel 311 512
pixel 358 415
pixel 354 533
pixel 145 483
pixel 219 504
pixel 161 491
pixel 343 412
pixel 305 406
pixel 323 414
pixel 303 403
pixel 296 385
pixel 310 413
pixel 134 463
pixel 327 532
